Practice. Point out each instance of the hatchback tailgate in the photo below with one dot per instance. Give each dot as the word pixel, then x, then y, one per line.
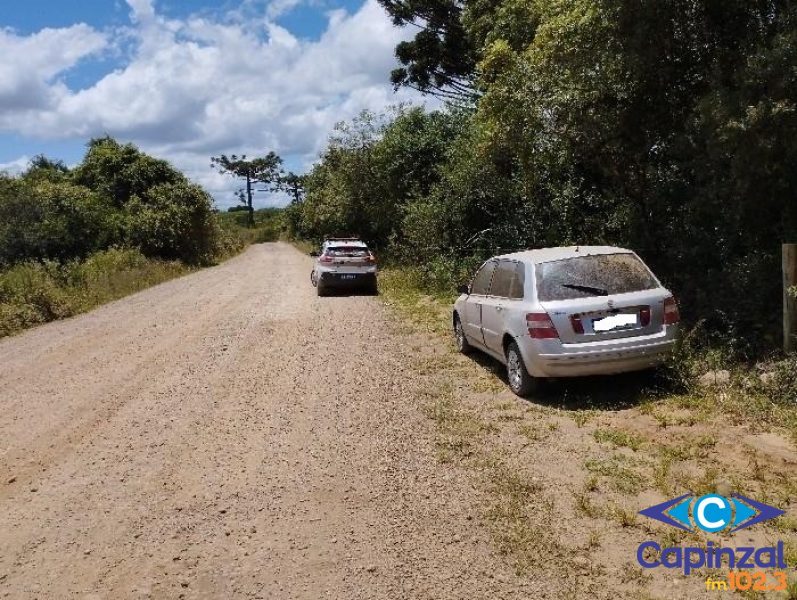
pixel 583 320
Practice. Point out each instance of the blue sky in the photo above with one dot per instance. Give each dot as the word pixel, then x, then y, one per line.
pixel 188 79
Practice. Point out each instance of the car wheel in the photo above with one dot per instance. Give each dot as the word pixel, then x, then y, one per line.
pixel 313 278
pixel 520 381
pixel 463 346
pixel 372 287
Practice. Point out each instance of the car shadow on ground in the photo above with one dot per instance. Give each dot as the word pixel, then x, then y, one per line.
pixel 346 293
pixel 604 392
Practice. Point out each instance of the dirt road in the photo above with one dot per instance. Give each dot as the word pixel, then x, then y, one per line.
pixel 229 435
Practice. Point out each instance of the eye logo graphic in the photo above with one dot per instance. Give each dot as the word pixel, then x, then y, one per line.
pixel 712 512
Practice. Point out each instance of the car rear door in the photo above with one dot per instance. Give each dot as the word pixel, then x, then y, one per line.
pixel 475 300
pixel 496 305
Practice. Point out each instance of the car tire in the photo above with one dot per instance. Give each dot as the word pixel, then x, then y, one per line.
pixel 463 346
pixel 520 382
pixel 313 278
pixel 372 288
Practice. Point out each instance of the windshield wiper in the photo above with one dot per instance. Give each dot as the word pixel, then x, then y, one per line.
pixel 586 288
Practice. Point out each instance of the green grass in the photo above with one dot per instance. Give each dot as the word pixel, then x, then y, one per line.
pixel 521 517
pixel 585 505
pixel 534 432
pixel 621 477
pixel 582 417
pixel 619 438
pixel 401 289
pixel 35 293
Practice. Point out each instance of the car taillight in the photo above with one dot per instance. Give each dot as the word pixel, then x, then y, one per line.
pixel 325 259
pixel 644 316
pixel 541 327
pixel 671 313
pixel 578 326
pixel 370 258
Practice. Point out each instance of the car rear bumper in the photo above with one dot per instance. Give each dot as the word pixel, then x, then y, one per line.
pixel 576 360
pixel 343 280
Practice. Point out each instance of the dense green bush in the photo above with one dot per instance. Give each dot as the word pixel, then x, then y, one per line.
pixel 118 172
pixel 58 221
pixel 116 196
pixel 371 171
pixel 173 221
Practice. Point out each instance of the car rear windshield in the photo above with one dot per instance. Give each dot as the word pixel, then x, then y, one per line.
pixel 347 251
pixel 587 276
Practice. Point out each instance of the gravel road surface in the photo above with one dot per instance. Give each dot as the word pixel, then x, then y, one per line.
pixel 230 435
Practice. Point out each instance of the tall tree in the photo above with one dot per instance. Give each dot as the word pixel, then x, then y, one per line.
pixel 293 184
pixel 440 60
pixel 42 168
pixel 265 170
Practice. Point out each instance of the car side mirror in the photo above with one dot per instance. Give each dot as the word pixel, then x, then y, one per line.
pixel 314 254
pixel 463 289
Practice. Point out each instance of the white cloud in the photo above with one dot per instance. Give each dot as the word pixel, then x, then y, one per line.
pixel 142 10
pixel 15 167
pixel 278 8
pixel 200 87
pixel 30 64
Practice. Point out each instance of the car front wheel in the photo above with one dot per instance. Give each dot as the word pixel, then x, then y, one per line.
pixel 520 382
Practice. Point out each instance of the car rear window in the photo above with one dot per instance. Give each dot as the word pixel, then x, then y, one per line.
pixel 347 251
pixel 587 276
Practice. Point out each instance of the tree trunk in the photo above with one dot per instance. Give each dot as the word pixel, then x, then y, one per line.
pixel 249 206
pixel 789 301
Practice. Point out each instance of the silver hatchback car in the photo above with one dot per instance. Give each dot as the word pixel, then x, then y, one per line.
pixel 566 312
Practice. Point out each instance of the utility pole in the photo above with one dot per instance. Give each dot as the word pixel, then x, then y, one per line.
pixel 789 299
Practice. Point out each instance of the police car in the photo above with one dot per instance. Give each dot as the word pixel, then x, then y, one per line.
pixel 344 263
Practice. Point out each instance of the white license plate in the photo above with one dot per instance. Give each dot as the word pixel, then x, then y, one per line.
pixel 613 322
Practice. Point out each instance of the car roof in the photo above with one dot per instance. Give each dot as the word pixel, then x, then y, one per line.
pixel 345 242
pixel 542 255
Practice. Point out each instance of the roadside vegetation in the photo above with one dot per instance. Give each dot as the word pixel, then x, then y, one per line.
pixel 267 225
pixel 33 292
pixel 120 221
pixel 665 129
